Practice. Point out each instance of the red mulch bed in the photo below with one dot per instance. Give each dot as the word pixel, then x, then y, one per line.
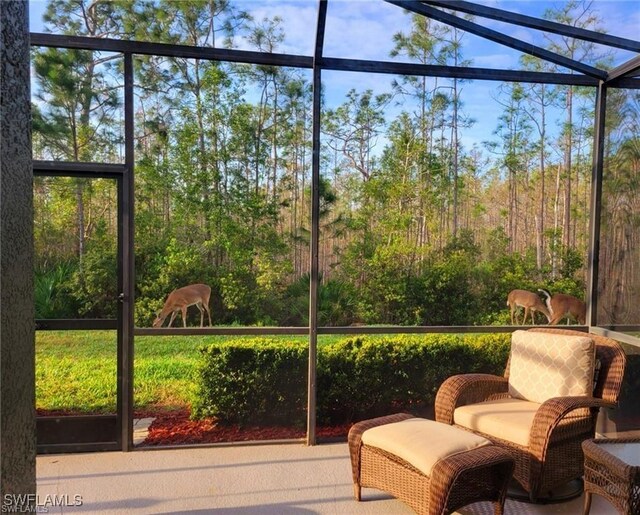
pixel 175 428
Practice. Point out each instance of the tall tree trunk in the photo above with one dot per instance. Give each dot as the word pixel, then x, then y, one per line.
pixel 80 219
pixel 202 160
pixel 274 138
pixel 566 224
pixel 81 153
pixel 513 211
pixel 576 189
pixel 261 116
pixel 453 160
pixel 556 223
pixel 454 142
pixel 543 172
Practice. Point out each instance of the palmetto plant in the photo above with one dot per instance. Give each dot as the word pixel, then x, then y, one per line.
pixel 50 297
pixel 336 302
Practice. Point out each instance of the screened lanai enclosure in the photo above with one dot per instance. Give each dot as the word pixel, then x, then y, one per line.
pixel 349 179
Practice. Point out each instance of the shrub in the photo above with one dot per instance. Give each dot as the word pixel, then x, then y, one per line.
pixel 94 285
pixel 369 376
pixel 260 380
pixel 264 380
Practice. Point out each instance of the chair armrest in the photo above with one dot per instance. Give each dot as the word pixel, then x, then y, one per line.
pixel 551 413
pixel 465 389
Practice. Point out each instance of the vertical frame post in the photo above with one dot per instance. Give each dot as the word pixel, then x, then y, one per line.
pixel 126 256
pixel 596 205
pixel 315 227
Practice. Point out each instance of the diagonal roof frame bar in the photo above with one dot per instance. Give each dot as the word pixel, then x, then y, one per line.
pixel 537 23
pixel 497 37
pixel 627 69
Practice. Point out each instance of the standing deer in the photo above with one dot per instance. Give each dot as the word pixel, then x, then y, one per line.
pixel 531 303
pixel 562 305
pixel 181 299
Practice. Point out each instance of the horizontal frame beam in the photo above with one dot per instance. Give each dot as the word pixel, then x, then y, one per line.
pixel 616 334
pixel 537 23
pixel 211 445
pixel 303 331
pixel 224 331
pixel 78 169
pixel 168 50
pixel 326 63
pixel 443 329
pixel 498 37
pixel 356 65
pixel 73 448
pixel 76 324
pixel 625 328
pixel 624 83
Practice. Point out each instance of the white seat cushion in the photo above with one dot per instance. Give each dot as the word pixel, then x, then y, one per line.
pixel 546 365
pixel 507 419
pixel 421 442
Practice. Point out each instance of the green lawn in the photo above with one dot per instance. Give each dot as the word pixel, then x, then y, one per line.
pixel 76 370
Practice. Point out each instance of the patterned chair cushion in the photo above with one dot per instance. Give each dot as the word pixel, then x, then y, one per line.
pixel 545 365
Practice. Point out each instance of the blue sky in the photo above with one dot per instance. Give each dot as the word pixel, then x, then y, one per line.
pixel 364 29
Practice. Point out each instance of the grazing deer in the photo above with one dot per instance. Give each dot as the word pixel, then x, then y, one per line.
pixel 531 303
pixel 181 299
pixel 561 305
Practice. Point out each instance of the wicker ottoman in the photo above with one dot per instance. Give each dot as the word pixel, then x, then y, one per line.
pixel 434 468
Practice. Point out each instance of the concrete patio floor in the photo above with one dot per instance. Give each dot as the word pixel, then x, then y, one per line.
pixel 265 479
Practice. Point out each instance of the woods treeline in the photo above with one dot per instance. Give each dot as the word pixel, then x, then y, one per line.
pixel 416 228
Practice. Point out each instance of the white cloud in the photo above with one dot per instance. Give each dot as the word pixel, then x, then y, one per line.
pixel 499 61
pixel 357 29
pixel 362 29
pixel 298 22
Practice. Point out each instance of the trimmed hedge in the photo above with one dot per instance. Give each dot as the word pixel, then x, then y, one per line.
pixel 264 380
pixel 365 377
pixel 256 380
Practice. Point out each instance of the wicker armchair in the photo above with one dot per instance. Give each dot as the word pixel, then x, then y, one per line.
pixel 554 454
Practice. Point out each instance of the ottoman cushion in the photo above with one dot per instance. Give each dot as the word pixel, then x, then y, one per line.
pixel 421 442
